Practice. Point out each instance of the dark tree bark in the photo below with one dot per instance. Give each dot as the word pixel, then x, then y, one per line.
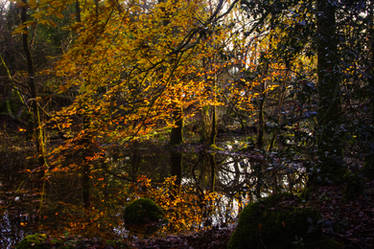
pixel 97 9
pixel 77 11
pixel 213 166
pixel 329 114
pixel 213 133
pixel 260 128
pixel 86 185
pixel 39 137
pixel 369 160
pixel 135 161
pixel 176 139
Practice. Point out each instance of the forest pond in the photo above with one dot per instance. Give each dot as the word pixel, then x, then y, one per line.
pixel 238 174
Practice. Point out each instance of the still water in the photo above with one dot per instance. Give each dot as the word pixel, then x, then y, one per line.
pixel 238 175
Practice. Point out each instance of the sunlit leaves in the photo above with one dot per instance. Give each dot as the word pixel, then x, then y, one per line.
pixel 133 68
pixel 184 208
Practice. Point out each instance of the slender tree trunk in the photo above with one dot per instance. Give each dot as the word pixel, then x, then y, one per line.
pixel 214 130
pixel 279 109
pixel 85 170
pixel 176 139
pixel 209 134
pixel 213 165
pixel 97 9
pixel 257 167
pixel 77 11
pixel 261 123
pixel 38 130
pixel 329 113
pixel 260 143
pixel 212 155
pixel 205 125
pixel 135 161
pixel 213 133
pixel 86 185
pixel 204 170
pixel 260 133
pixel 209 129
pixel 369 160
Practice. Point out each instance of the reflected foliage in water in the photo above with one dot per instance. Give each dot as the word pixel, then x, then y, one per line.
pixel 236 176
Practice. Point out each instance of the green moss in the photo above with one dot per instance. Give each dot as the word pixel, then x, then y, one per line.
pixel 33 241
pixel 277 223
pixel 143 216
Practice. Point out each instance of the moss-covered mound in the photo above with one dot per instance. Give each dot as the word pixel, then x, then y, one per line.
pixel 33 241
pixel 143 216
pixel 277 223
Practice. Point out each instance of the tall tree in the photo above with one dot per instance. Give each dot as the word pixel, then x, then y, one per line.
pixel 330 147
pixel 135 71
pixel 37 125
pixel 369 164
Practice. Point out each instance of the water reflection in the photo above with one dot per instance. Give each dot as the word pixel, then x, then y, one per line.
pixel 10 229
pixel 240 177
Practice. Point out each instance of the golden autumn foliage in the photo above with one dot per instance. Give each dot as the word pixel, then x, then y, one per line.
pixel 184 209
pixel 130 67
pixel 246 98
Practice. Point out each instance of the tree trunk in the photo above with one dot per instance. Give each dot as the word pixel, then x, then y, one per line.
pixel 257 167
pixel 176 139
pixel 260 130
pixel 86 185
pixel 213 133
pixel 77 11
pixel 85 170
pixel 135 161
pixel 329 113
pixel 213 166
pixel 38 130
pixel 369 160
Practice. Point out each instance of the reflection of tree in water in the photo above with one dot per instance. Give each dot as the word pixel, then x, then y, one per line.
pixel 231 174
pixel 8 231
pixel 242 177
pixel 15 222
pixel 254 176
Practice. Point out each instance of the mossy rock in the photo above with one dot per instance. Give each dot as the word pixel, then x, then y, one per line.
pixel 143 216
pixel 277 223
pixel 33 241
